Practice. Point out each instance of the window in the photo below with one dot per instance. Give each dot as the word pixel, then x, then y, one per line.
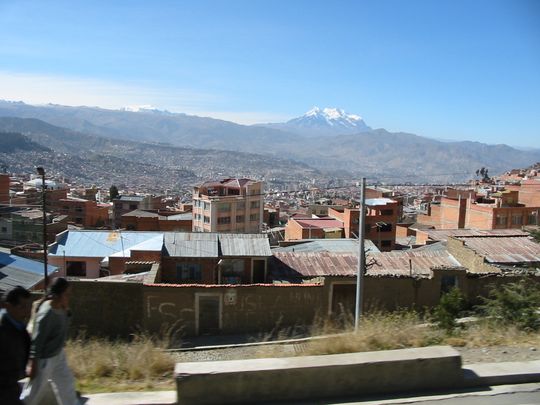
pixel 254 217
pixel 75 269
pixel 387 212
pixel 241 205
pixel 132 206
pixel 385 228
pixel 190 272
pixel 4 229
pixel 206 206
pixel 206 219
pixel 239 218
pixel 254 204
pixel 500 220
pixel 447 283
pixel 224 207
pixel 517 219
pixel 232 271
pixel 532 218
pixel 224 220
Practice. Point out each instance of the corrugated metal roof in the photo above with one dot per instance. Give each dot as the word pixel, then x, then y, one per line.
pixel 328 245
pixel 244 245
pixel 505 250
pixel 142 213
pixel 379 201
pixel 185 216
pixel 395 264
pixel 443 234
pixel 319 223
pixel 184 244
pixel 180 244
pixel 16 270
pixel 133 198
pixel 79 243
pixel 154 244
pixel 405 263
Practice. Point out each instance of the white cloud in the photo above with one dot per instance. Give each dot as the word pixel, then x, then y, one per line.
pixel 76 91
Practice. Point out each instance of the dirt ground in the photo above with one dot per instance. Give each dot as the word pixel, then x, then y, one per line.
pixel 469 355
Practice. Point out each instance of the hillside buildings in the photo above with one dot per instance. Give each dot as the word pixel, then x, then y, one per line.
pixel 228 205
pixel 471 210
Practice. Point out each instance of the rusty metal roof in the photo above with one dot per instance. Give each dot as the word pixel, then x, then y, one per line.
pixel 505 250
pixel 394 264
pixel 444 234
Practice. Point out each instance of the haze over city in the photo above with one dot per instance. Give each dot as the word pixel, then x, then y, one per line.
pixel 453 70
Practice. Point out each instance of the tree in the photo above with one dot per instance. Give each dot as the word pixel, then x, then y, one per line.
pixel 113 192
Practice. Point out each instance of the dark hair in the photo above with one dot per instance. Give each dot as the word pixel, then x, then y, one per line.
pixel 58 286
pixel 15 295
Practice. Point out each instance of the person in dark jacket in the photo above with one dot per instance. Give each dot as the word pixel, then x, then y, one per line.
pixel 14 343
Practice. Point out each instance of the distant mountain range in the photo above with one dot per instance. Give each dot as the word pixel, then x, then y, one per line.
pixel 26 143
pixel 328 140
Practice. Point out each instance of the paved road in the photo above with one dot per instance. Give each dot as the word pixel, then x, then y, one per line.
pixel 520 394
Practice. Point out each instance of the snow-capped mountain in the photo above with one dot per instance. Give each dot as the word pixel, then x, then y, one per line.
pixel 325 121
pixel 144 108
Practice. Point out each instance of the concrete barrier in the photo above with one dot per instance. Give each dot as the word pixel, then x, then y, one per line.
pixel 318 377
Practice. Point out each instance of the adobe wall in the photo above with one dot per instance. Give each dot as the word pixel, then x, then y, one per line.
pixel 469 258
pixel 245 309
pixel 109 309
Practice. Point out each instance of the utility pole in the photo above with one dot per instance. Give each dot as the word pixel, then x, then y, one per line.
pixel 361 256
pixel 41 172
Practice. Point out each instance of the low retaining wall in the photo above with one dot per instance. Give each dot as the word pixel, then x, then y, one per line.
pixel 318 377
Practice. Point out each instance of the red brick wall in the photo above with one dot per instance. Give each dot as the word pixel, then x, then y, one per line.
pixel 4 188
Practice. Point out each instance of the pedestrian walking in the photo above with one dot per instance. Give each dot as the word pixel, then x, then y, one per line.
pixel 14 343
pixel 48 369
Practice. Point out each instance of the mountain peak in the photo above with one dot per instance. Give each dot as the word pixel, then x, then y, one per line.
pixel 144 108
pixel 328 120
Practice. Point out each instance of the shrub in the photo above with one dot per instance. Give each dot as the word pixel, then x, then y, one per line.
pixel 451 305
pixel 514 303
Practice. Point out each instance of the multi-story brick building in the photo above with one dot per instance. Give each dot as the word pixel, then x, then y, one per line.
pixel 128 203
pixel 499 210
pixel 229 205
pixel 380 221
pixel 83 212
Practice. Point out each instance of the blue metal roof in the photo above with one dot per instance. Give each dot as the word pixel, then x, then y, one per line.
pixel 16 270
pixel 74 243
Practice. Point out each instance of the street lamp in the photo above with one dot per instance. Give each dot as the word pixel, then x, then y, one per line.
pixel 41 172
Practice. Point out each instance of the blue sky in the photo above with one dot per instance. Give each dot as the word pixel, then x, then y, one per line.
pixel 442 69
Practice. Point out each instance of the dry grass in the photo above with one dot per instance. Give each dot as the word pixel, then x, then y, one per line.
pixel 378 331
pixel 103 366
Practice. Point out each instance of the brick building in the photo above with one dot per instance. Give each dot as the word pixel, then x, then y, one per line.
pixel 380 221
pixel 127 203
pixel 229 205
pixel 497 210
pixel 4 188
pixel 84 212
pixel 141 220
pixel 313 228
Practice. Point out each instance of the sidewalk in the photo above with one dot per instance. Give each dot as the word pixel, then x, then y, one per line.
pixel 481 380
